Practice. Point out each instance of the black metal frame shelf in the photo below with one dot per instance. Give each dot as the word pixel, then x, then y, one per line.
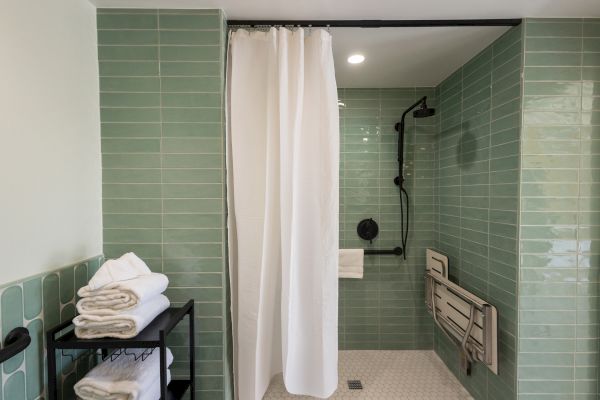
pixel 152 337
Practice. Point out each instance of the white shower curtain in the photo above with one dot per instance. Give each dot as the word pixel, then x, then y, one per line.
pixel 283 159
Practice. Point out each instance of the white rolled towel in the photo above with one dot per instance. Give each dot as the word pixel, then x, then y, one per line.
pixel 123 325
pixel 351 263
pixel 120 296
pixel 128 266
pixel 124 378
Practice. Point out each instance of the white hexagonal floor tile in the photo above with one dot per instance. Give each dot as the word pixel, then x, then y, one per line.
pixel 387 375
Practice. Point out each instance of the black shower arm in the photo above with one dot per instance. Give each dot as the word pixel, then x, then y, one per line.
pixel 409 109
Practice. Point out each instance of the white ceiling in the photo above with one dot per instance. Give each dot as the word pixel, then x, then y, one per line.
pixel 395 57
pixel 401 57
pixel 377 9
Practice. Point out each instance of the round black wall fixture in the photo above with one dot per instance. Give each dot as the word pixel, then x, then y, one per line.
pixel 367 229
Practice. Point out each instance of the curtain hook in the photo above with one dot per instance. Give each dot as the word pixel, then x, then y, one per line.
pixel 329 29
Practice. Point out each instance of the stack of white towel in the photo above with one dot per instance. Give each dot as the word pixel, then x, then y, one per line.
pixel 120 300
pixel 125 378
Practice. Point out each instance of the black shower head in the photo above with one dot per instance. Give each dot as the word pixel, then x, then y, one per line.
pixel 423 111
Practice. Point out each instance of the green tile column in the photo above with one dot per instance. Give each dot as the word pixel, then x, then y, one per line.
pixel 558 292
pixel 162 86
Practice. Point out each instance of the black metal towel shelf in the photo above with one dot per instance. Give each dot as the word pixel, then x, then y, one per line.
pixel 152 338
pixel 16 341
pixel 397 251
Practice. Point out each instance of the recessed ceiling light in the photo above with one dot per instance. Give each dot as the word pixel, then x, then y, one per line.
pixel 356 58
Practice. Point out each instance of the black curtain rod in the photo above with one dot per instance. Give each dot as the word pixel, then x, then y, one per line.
pixel 376 23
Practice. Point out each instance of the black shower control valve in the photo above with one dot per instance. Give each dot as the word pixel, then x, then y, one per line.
pixel 367 229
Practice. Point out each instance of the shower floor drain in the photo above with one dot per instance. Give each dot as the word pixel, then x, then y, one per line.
pixel 355 384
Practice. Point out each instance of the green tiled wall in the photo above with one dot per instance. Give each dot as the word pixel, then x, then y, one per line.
pixel 40 303
pixel 560 209
pixel 477 197
pixel 385 310
pixel 161 97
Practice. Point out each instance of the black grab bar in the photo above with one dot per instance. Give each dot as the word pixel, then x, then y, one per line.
pixel 15 342
pixel 397 251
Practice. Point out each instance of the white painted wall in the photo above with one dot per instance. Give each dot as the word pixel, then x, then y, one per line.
pixel 50 171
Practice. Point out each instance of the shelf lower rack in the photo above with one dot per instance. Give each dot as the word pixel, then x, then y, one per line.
pixel 62 337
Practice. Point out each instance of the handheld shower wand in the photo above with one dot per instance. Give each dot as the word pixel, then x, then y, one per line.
pixel 422 112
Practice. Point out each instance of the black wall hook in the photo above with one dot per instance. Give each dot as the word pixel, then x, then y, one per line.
pixel 15 342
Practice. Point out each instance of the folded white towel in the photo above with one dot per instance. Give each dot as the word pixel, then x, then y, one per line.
pixel 128 266
pixel 124 378
pixel 351 263
pixel 120 296
pixel 123 325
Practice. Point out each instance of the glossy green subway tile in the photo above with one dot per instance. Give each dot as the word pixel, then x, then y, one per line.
pixel 190 84
pixel 189 37
pixel 125 130
pixel 129 100
pixel 129 84
pixel 190 53
pixel 130 114
pixel 192 129
pixel 552 73
pixel 591 28
pixel 123 145
pixel 192 145
pixel 127 37
pixel 132 221
pixel 128 68
pixel 192 235
pixel 191 68
pixel 192 176
pixel 553 44
pixel 554 29
pixel 135 20
pixel 191 99
pixel 591 44
pixel 549 59
pixel 131 206
pixel 553 88
pixel 184 20
pixel 131 160
pixel 591 59
pixel 591 73
pixel 194 205
pixel 191 114
pixel 184 250
pixel 192 191
pixel 128 53
pixel 132 235
pixel 552 103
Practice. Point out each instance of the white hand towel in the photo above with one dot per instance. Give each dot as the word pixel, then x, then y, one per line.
pixel 123 325
pixel 351 263
pixel 124 378
pixel 128 266
pixel 120 296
